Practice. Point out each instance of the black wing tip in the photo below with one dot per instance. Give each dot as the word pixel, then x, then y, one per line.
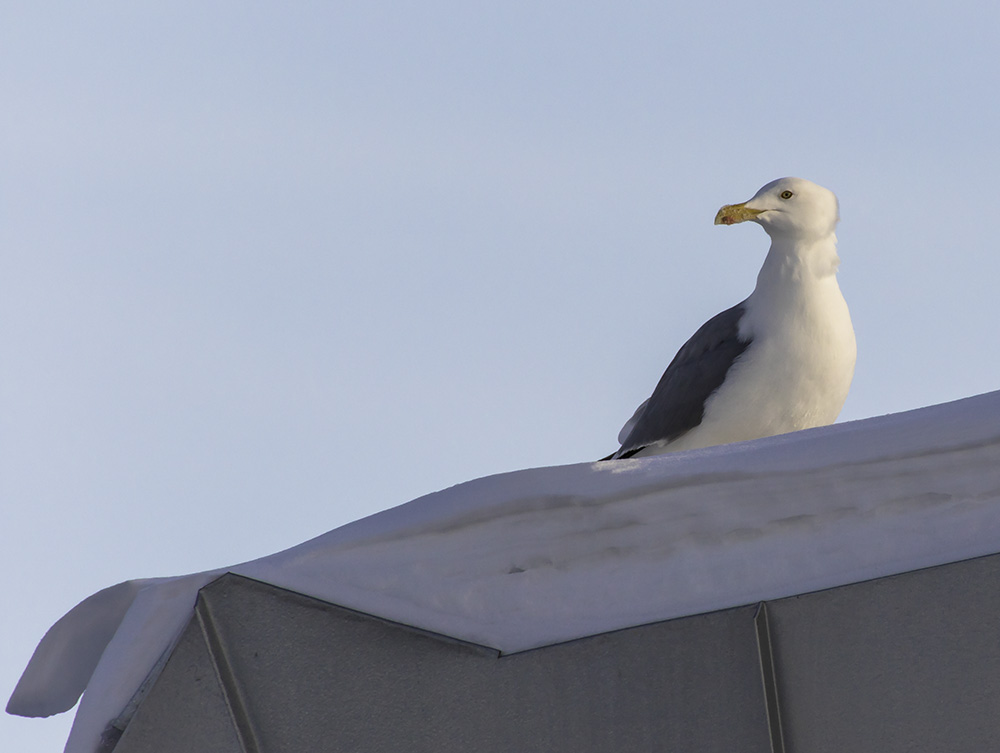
pixel 631 452
pixel 624 455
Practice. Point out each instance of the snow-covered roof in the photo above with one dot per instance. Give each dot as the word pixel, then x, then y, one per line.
pixel 531 558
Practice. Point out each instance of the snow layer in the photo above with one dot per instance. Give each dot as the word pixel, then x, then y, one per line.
pixel 540 556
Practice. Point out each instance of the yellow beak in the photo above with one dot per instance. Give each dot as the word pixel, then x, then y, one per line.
pixel 733 213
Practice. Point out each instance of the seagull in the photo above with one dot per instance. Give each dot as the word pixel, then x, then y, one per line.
pixel 780 361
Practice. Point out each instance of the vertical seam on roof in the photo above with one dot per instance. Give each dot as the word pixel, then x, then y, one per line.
pixel 768 678
pixel 231 691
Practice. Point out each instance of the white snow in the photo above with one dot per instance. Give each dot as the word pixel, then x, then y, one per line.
pixel 540 556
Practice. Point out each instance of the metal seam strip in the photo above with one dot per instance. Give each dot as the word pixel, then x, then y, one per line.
pixel 769 678
pixel 235 700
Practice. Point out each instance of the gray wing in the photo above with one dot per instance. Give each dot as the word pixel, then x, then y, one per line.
pixel 677 404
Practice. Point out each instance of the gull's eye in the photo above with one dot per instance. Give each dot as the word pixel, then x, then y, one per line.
pixel 787 194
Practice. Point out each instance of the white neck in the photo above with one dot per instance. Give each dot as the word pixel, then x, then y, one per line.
pixel 799 261
pixel 798 281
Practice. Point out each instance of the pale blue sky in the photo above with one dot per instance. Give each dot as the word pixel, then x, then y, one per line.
pixel 268 268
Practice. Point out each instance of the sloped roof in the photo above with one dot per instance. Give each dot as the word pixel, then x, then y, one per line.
pixel 262 669
pixel 892 665
pixel 547 555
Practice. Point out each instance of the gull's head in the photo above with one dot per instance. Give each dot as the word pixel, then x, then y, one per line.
pixel 787 207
